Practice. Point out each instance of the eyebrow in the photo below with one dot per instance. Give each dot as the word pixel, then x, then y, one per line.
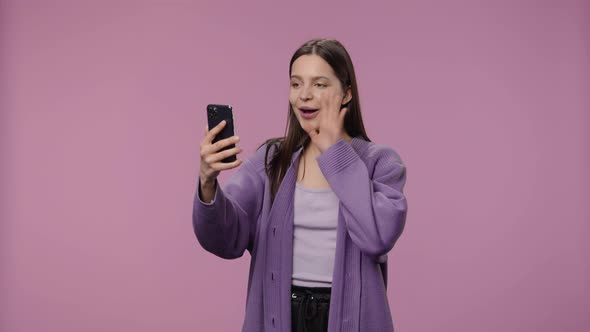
pixel 315 78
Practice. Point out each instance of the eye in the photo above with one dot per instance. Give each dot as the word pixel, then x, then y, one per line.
pixel 321 85
pixel 295 84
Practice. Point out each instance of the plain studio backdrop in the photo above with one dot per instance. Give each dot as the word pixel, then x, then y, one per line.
pixel 103 108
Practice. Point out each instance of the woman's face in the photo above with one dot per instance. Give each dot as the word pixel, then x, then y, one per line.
pixel 314 89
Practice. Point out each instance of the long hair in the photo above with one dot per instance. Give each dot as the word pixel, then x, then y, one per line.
pixel 334 53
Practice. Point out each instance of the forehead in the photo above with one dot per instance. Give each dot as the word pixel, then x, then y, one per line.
pixel 312 65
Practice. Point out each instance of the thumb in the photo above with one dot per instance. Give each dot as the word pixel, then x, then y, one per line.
pixel 313 134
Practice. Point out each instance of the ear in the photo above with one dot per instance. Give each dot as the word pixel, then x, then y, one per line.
pixel 347 96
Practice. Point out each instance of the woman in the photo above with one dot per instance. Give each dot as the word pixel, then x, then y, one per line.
pixel 318 209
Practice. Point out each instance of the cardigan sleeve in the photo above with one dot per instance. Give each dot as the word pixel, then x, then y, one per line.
pixel 226 226
pixel 373 205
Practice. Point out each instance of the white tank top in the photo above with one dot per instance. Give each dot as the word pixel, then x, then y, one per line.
pixel 314 236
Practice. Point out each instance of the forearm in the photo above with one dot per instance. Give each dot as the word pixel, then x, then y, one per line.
pixel 221 227
pixel 207 190
pixel 374 212
pixel 224 218
pixel 373 205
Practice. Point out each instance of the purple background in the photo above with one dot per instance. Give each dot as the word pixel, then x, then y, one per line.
pixel 103 108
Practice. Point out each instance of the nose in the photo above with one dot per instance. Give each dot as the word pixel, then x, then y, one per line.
pixel 305 94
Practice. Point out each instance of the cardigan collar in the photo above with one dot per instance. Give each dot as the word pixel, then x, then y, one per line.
pixel 286 190
pixel 357 142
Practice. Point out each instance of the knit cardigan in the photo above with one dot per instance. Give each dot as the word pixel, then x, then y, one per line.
pixel 368 180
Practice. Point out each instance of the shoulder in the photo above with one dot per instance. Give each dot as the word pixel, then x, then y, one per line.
pixel 263 154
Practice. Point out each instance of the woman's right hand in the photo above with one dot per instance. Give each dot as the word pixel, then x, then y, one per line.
pixel 211 157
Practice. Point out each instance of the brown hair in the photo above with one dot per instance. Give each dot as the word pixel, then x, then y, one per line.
pixel 334 53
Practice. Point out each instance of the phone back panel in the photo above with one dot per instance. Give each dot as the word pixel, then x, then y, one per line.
pixel 216 114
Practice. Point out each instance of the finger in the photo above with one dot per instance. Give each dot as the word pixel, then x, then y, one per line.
pixel 333 106
pixel 311 130
pixel 338 104
pixel 324 116
pixel 217 146
pixel 205 138
pixel 313 134
pixel 216 130
pixel 211 159
pixel 226 166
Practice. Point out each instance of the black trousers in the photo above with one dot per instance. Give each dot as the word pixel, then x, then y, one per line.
pixel 310 308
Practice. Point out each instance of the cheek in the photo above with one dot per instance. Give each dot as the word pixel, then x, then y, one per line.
pixel 292 97
pixel 328 93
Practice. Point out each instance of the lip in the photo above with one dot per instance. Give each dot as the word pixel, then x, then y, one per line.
pixel 307 108
pixel 308 116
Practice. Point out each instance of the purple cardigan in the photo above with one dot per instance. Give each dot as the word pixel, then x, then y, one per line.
pixel 368 180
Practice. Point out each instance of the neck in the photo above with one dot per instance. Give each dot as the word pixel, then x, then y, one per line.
pixel 312 151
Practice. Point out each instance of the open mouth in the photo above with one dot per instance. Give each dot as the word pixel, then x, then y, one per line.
pixel 308 112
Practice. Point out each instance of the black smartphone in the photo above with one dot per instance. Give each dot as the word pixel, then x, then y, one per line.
pixel 216 114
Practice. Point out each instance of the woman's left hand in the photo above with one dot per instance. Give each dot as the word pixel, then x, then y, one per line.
pixel 331 123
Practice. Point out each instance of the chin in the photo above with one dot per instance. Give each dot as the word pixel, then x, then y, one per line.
pixel 305 121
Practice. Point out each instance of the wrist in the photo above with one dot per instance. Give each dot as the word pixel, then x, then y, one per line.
pixel 207 182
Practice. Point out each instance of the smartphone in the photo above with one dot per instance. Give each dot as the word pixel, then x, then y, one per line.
pixel 216 114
